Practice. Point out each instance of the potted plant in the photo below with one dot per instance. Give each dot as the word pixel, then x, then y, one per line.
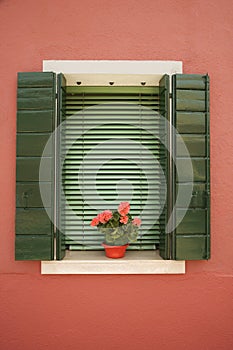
pixel 119 229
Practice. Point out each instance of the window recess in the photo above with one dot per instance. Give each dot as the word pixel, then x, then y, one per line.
pixel 121 128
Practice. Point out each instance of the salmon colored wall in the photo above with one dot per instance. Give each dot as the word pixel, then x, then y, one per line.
pixel 191 311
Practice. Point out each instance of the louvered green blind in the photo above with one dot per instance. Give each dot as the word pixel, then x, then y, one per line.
pixel 111 152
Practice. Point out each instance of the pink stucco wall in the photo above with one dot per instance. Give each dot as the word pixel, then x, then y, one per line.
pixel 192 311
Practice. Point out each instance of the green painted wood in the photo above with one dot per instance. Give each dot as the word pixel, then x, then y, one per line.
pixel 33 221
pixel 195 144
pixel 35 123
pixel 195 247
pixel 164 103
pixel 199 169
pixel 191 81
pixel 28 195
pixel 33 247
pixel 35 98
pixel 191 95
pixel 27 169
pixel 190 122
pixel 32 144
pixel 198 199
pixel 208 177
pixel 61 112
pixel 38 79
pixel 193 222
pixel 191 238
pixel 191 105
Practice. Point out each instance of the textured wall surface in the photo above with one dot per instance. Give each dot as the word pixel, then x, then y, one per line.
pixel 194 311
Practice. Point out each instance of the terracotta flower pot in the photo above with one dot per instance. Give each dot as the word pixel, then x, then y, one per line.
pixel 115 252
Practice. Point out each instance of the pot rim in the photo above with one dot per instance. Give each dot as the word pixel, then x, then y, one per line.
pixel 114 246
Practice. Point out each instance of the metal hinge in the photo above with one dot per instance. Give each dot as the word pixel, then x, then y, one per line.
pixel 170 95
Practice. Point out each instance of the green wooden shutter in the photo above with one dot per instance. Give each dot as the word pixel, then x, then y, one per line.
pixel 61 115
pixel 95 115
pixel 164 109
pixel 191 238
pixel 35 123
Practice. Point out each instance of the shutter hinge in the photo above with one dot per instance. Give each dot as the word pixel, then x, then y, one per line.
pixel 56 96
pixel 170 95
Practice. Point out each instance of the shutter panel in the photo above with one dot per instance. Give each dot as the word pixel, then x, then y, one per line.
pixel 95 115
pixel 35 123
pixel 191 238
pixel 60 237
pixel 165 238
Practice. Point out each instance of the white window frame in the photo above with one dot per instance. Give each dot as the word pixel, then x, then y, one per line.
pixel 121 73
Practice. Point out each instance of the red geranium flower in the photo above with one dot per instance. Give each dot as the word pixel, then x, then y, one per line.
pixel 108 215
pixel 124 219
pixel 137 221
pixel 123 208
pixel 105 216
pixel 95 221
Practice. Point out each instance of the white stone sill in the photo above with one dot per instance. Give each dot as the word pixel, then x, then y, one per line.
pixel 95 262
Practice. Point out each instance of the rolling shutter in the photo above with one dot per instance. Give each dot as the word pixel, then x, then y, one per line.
pixel 191 238
pixel 35 123
pixel 112 152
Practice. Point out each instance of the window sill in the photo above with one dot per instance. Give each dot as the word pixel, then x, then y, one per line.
pixel 95 262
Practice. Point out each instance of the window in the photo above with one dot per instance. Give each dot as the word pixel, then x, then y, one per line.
pixel 36 121
pixel 110 155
